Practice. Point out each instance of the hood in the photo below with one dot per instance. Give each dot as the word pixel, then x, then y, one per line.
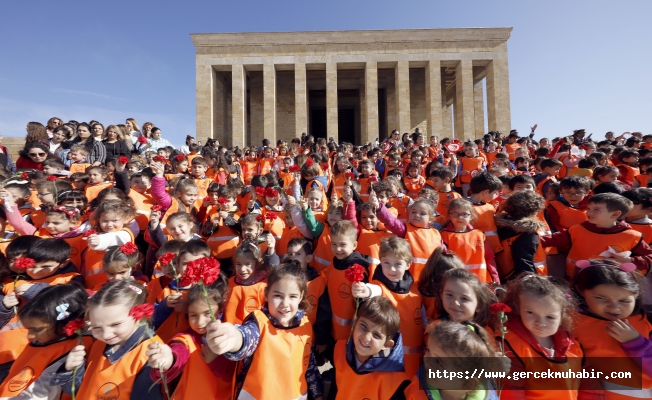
pixel 619 227
pixel 526 225
pixel 562 340
pixel 391 361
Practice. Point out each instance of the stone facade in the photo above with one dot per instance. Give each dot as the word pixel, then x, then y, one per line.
pixel 351 85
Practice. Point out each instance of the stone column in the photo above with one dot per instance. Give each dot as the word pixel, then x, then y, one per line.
pixel 331 100
pixel 464 115
pixel 478 109
pixel 204 114
pixel 402 80
pixel 300 99
pixel 269 104
pixel 433 100
pixel 447 122
pixel 371 128
pixel 498 112
pixel 239 106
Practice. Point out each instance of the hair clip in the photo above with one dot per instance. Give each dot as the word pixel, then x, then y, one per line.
pixel 136 289
pixel 472 328
pixel 62 310
pixel 627 267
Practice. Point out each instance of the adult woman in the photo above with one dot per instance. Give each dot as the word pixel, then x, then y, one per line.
pixel 132 130
pixel 156 142
pixel 36 132
pixel 98 131
pixel 33 155
pixel 53 123
pixel 115 143
pixel 185 149
pixel 147 129
pixel 97 152
pixel 5 158
pixel 57 143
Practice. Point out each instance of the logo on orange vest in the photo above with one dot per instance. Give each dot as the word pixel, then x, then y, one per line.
pixel 312 300
pixel 344 291
pixel 252 305
pixel 20 382
pixel 108 391
pixel 417 316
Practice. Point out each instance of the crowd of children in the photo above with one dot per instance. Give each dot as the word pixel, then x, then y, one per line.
pixel 330 271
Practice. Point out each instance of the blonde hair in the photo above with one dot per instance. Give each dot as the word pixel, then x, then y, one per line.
pixel 116 129
pixel 134 124
pixel 397 247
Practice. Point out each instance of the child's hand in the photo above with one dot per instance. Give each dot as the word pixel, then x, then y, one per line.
pixel 223 214
pixel 304 203
pixel 160 356
pixel 271 242
pixel 620 258
pixel 93 240
pixel 463 172
pixel 7 197
pixel 292 201
pixel 20 290
pixel 505 362
pixel 158 168
pixel 176 301
pixel 10 300
pixel 622 331
pixel 250 204
pixel 207 354
pixel 223 337
pixel 373 200
pixel 154 219
pixel 334 197
pixel 119 167
pixel 360 291
pixel 75 357
pixel 347 193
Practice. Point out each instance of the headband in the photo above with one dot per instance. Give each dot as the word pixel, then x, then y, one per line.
pixel 626 267
pixel 70 213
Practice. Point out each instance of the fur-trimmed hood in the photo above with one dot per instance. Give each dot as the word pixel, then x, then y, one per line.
pixel 508 227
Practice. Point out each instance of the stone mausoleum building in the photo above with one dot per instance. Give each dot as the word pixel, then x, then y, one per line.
pixel 353 86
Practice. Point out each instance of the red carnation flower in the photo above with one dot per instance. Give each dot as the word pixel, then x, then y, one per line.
pixel 51 178
pixel 156 208
pixel 350 175
pixel 123 160
pixel 271 216
pixel 166 258
pixel 142 311
pixel 180 157
pixel 499 307
pixel 309 162
pixel 260 191
pixel 294 168
pixel 207 199
pixel 89 232
pixel 354 163
pixel 160 159
pixel 24 263
pixel 205 270
pixel 373 178
pixel 142 140
pixel 222 200
pixel 260 218
pixel 76 326
pixel 128 248
pixel 270 192
pixel 355 273
pixel 24 176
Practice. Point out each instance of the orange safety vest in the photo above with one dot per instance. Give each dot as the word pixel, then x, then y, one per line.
pixel 38 218
pixel 413 185
pixel 563 172
pixel 13 337
pixel 281 247
pixel 373 385
pixel 91 192
pixel 423 241
pixel 323 254
pixel 491 157
pixel 470 165
pixel 79 167
pixel 316 287
pixel 369 245
pixel 401 205
pixel 645 229
pixel 274 226
pixel 364 188
pixel 511 150
pixel 568 216
pixel 324 199
pixel 607 355
pixel 143 204
pixel 469 247
pixel 412 327
pixel 203 184
pixel 197 380
pixel 77 246
pixel 265 165
pixel 176 322
pixel 286 349
pixel 92 265
pixel 537 362
pixel 288 181
pixel 243 300
pixel 544 181
pixel 444 200
pixel 505 262
pixel 104 380
pixel 486 224
pixel 33 361
pixel 176 206
pixel 642 180
pixel 632 173
pixel 249 168
pixel 342 303
pixel 586 244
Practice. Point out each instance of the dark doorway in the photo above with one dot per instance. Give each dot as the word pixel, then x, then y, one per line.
pixel 346 125
pixel 318 122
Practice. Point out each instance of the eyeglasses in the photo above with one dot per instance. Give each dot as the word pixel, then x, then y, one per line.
pixel 567 194
pixel 43 194
pixel 458 215
pixel 36 154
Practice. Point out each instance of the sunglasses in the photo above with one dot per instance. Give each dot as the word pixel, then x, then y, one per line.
pixel 36 154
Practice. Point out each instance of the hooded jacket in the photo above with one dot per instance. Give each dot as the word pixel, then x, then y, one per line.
pixel 527 243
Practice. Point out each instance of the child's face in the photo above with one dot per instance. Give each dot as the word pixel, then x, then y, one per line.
pixel 117 271
pixel 393 163
pixel 188 196
pixel 487 196
pixel 199 170
pixel 610 301
pixel 179 229
pixel 77 156
pixel 112 324
pixel 39 331
pixel 342 165
pixel 342 246
pixel 140 184
pixel 50 170
pixel 492 147
pixel 459 300
pixel 610 177
pixel 382 197
pixel 540 315
pixel 46 196
pixel 369 339
pixel 552 171
pixel 96 176
pixel 199 315
pixel 163 153
pixel 283 299
pixel 111 222
pixel 631 160
pixel 459 218
pixel 393 268
pixel 637 212
pixel 420 215
pixel 57 223
pixel 286 164
pixel 297 253
pixel 522 187
pixel 599 215
pixel 15 194
pixel 440 184
pixel 550 194
pixel 133 168
pixel 573 196
pixel 433 141
pixel 413 172
pixel 245 267
pixel 334 215
pixel 469 151
pixel 368 219
pixel 43 269
pixel 182 166
pixel 272 201
pixel 365 169
pixel 251 231
pixel 79 184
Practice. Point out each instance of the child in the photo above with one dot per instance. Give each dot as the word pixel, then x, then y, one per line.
pixel 183 197
pixel 247 287
pixel 601 232
pixel 98 180
pixel 370 364
pixel 605 173
pixel 413 180
pixel 266 162
pixel 638 216
pixel 219 228
pixel 277 337
pixel 202 372
pixel 539 339
pixel 641 180
pixel 628 166
pixel 44 318
pixel 120 266
pixel 120 348
pixel 108 222
pixel 78 155
pixel 79 180
pixel 180 226
pixel 439 262
pixel 440 179
pixel 612 327
pixel 54 168
pixel 484 189
pixel 371 232
pixel 199 167
pixel 469 243
pixel 518 231
pixel 417 231
pixel 568 209
pixel 470 166
pixel 456 348
pixel 396 283
pixel 366 178
pixel 48 193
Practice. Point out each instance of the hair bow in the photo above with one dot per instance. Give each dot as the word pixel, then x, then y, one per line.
pixel 62 310
pixel 136 289
pixel 627 267
pixel 70 213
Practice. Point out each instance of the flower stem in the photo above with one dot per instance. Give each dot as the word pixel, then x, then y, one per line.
pixel 208 301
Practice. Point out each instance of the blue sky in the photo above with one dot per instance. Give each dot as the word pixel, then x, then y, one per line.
pixel 573 64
